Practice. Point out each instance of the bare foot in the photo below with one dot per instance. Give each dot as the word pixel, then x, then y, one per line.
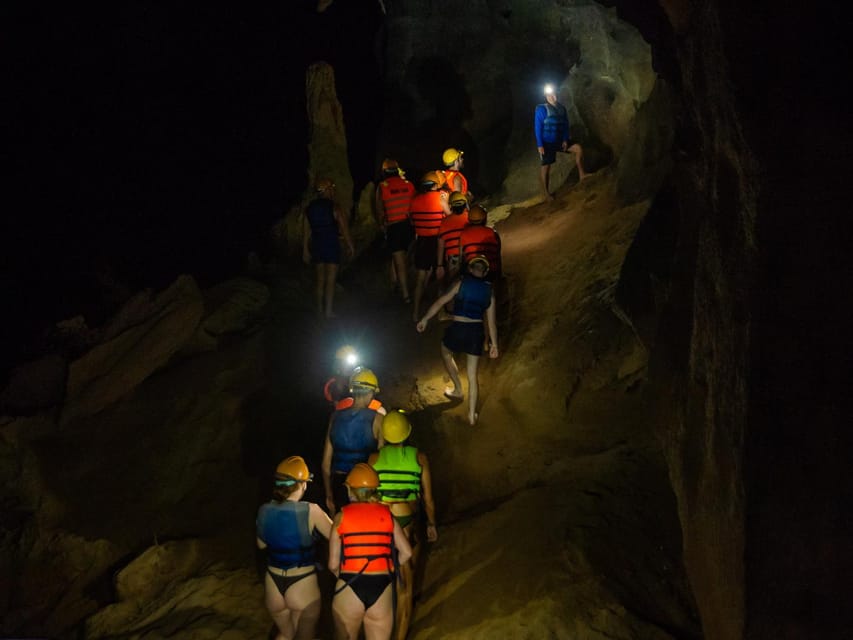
pixel 472 418
pixel 452 393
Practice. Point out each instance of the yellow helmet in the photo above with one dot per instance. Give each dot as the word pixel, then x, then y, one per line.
pixel 477 215
pixel 481 259
pixel 292 470
pixel 450 156
pixel 364 379
pixel 433 178
pixel 458 198
pixel 362 476
pixel 396 427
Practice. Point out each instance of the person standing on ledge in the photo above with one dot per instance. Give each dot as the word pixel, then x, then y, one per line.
pixel 320 244
pixel 551 125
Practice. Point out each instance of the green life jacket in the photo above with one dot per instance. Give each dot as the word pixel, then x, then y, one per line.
pixel 399 473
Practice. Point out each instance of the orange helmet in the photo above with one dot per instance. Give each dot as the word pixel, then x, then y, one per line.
pixel 477 215
pixel 292 470
pixel 433 178
pixel 362 476
pixel 323 184
pixel 390 166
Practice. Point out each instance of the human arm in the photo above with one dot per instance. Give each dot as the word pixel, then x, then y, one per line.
pixel 493 329
pixel 437 305
pixel 261 544
pixel 377 429
pixel 538 121
pixel 439 259
pixel 344 226
pixel 306 236
pixel 335 546
pixel 326 468
pixel 445 203
pixel 401 542
pixel 426 494
pixel 319 520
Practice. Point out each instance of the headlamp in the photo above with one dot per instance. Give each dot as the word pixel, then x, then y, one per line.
pixel 549 89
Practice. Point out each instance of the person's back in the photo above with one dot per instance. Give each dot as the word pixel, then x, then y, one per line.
pixel 352 437
pixel 396 194
pixel 481 240
pixel 321 218
pixel 426 212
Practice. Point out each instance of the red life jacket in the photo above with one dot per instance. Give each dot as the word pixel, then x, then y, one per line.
pixel 346 403
pixel 367 538
pixel 451 228
pixel 480 239
pixel 426 213
pixel 396 194
pixel 449 175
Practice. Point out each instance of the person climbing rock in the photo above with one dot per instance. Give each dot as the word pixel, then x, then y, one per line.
pixel 405 480
pixel 320 244
pixel 551 126
pixel 362 546
pixel 448 238
pixel 355 431
pixel 453 179
pixel 393 197
pixel 426 212
pixel 473 300
pixel 479 239
pixel 285 527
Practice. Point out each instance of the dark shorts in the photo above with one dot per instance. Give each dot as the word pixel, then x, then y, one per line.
pixel 325 250
pixel 465 337
pixel 551 150
pixel 426 248
pixel 398 236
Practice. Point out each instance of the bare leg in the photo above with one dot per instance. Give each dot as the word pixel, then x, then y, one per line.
pixel 320 271
pixel 379 619
pixel 331 275
pixel 399 266
pixel 452 371
pixel 348 613
pixel 304 601
pixel 473 388
pixel 278 610
pixel 420 285
pixel 544 177
pixel 578 151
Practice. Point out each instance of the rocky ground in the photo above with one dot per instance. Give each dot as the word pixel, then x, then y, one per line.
pixel 135 520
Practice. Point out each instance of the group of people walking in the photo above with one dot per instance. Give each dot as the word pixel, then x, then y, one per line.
pixel 379 494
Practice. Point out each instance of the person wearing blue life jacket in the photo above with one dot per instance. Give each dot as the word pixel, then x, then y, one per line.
pixel 473 301
pixel 355 431
pixel 551 126
pixel 322 224
pixel 285 530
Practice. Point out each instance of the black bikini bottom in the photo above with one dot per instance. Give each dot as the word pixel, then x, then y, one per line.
pixel 367 586
pixel 285 582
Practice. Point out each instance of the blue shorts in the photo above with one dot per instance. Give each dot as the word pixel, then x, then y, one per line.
pixel 465 337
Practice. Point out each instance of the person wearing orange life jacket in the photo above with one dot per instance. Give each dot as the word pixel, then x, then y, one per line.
pixel 426 212
pixel 337 387
pixel 448 254
pixel 285 526
pixel 473 301
pixel 479 239
pixel 354 432
pixel 361 554
pixel 393 197
pixel 453 163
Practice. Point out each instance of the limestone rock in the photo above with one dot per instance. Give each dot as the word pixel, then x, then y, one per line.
pixel 35 385
pixel 232 306
pixel 113 368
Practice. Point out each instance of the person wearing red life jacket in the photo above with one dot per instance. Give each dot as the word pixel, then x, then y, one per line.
pixel 478 239
pixel 362 546
pixel 454 180
pixel 448 255
pixel 426 212
pixel 393 196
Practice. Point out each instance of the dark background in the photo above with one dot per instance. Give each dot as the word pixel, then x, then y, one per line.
pixel 146 141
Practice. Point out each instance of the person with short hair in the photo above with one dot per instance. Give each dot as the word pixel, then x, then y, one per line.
pixel 473 300
pixel 285 527
pixel 362 546
pixel 551 126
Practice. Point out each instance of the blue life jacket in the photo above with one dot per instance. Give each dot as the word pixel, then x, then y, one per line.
pixel 286 530
pixel 321 217
pixel 473 298
pixel 352 438
pixel 555 127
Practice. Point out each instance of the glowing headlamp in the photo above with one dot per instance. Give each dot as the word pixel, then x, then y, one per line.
pixel 351 359
pixel 549 90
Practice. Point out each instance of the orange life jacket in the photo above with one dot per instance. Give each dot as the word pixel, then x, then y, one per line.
pixel 367 538
pixel 396 194
pixel 449 175
pixel 426 213
pixel 346 403
pixel 480 239
pixel 450 229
